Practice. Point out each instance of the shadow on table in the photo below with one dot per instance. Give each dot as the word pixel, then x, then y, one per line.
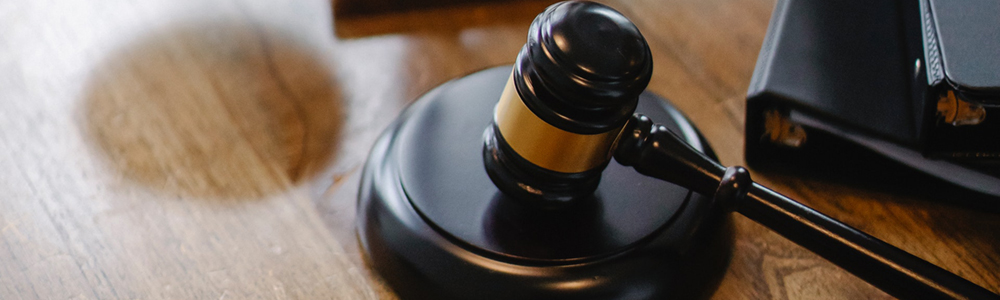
pixel 829 159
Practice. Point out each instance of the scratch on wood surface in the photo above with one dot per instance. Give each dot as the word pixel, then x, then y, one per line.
pixel 47 259
pixel 12 226
pixel 279 291
pixel 776 269
pixel 340 178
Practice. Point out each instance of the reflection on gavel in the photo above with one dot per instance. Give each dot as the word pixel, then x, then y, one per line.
pixel 564 114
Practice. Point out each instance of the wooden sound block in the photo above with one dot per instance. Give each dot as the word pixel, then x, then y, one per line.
pixel 434 226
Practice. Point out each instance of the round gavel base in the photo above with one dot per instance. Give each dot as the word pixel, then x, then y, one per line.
pixel 434 226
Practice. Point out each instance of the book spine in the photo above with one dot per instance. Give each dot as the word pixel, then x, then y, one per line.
pixel 762 69
pixel 761 72
pixel 932 49
pixel 756 150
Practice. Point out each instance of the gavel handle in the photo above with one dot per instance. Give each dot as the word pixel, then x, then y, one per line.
pixel 655 151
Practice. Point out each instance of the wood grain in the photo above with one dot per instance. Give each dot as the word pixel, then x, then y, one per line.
pixel 345 9
pixel 191 149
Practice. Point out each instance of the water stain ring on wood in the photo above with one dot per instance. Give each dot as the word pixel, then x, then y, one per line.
pixel 228 111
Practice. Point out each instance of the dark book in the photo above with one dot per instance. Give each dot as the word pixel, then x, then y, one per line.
pixel 958 44
pixel 867 72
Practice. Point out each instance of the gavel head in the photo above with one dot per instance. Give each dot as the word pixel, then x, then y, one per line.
pixel 574 85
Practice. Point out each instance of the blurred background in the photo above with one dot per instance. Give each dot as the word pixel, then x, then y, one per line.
pixel 188 149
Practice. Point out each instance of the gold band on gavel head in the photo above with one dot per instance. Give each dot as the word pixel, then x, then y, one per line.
pixel 545 145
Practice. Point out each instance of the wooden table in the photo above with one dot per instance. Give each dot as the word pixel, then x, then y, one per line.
pixel 188 149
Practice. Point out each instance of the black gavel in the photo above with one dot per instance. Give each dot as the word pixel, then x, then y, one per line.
pixel 551 216
pixel 567 109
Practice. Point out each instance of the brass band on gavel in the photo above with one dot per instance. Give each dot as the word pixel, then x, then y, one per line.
pixel 545 145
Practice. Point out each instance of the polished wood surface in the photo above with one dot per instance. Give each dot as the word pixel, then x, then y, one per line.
pixel 189 149
pixel 359 8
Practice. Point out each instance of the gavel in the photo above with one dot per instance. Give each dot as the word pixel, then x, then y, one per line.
pixel 433 225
